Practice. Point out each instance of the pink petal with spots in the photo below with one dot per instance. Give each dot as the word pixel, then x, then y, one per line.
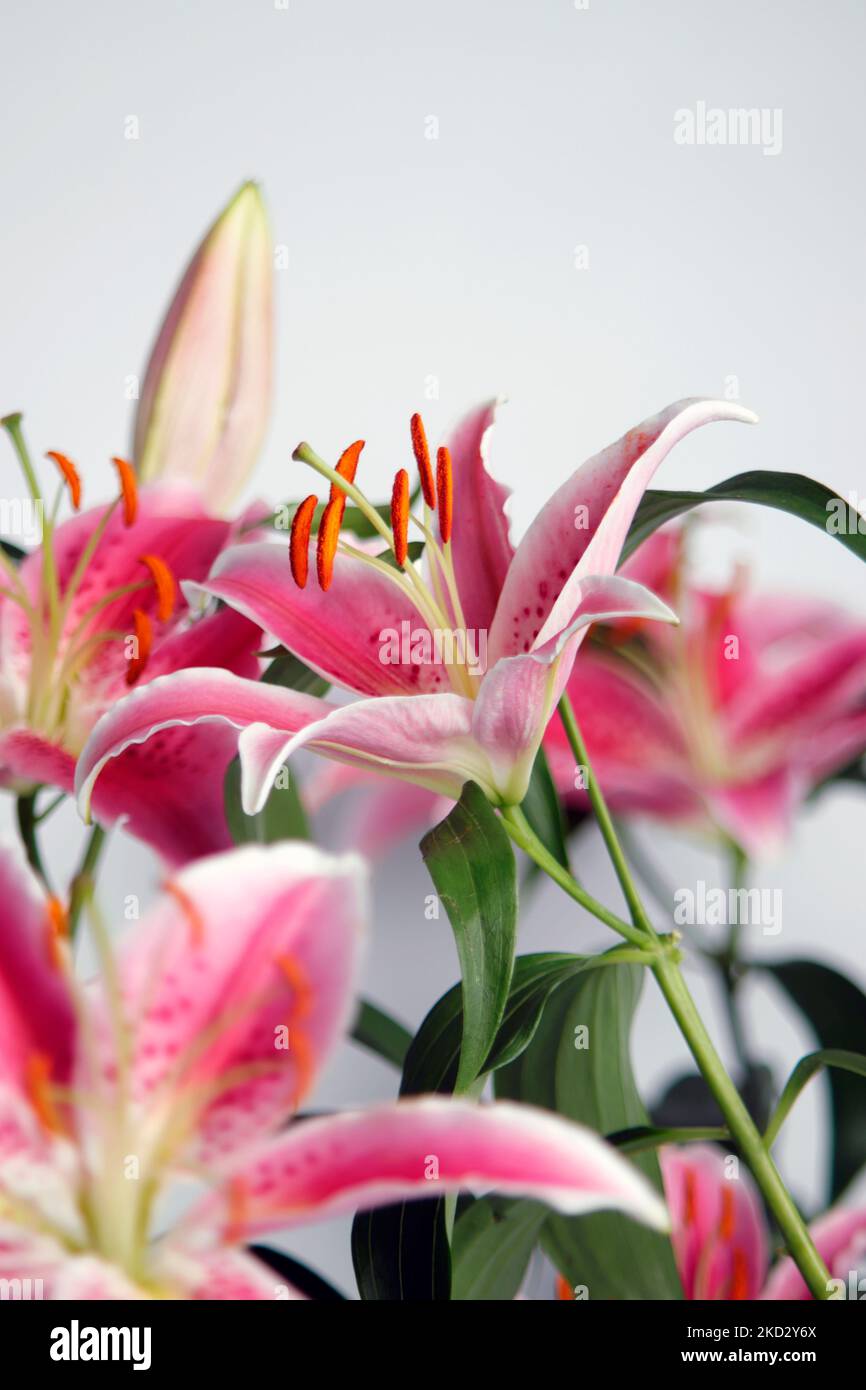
pixel 238 987
pixel 343 632
pixel 480 548
pixel 564 544
pixel 421 1148
pixel 202 697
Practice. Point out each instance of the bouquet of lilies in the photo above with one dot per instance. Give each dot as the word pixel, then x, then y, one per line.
pixel 165 653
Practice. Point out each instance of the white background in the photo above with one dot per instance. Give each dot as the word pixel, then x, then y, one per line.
pixel 455 258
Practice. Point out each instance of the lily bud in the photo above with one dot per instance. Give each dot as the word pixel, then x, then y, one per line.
pixel 207 389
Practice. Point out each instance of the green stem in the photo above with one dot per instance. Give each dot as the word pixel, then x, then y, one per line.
pixel 82 883
pixel 523 835
pixel 675 990
pixel 27 823
pixel 12 426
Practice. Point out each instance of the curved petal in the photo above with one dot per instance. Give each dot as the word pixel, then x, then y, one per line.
pixel 343 634
pixel 565 543
pixel 36 1014
pixel 518 696
pixel 419 1148
pixel 237 988
pixel 203 695
pixel 758 814
pixel 840 1238
pixel 719 1235
pixel 206 393
pixel 480 548
pixel 426 739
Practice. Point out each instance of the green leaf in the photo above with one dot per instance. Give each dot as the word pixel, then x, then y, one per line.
pixel 613 1256
pixel 836 1009
pixel 297 1275
pixel 431 1062
pixel 282 818
pixel 786 492
pixel 471 863
pixel 401 1252
pixel 542 809
pixel 290 672
pixel 415 549
pixel 806 1068
pixel 15 553
pixel 400 1249
pixel 382 1034
pixel 493 1241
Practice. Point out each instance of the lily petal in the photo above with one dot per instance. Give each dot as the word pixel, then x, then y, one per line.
pixel 419 1148
pixel 425 739
pixel 36 1013
pixel 480 548
pixel 719 1236
pixel 840 1239
pixel 206 393
pixel 203 695
pixel 518 696
pixel 341 633
pixel 565 543
pixel 236 989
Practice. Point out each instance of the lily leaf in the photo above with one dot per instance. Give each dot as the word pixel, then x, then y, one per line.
pixel 492 1244
pixel 382 1034
pixel 578 1064
pixel 290 672
pixel 471 863
pixel 836 1009
pixel 786 492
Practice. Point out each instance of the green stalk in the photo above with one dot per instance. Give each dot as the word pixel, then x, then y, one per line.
pixel 83 882
pixel 27 822
pixel 673 986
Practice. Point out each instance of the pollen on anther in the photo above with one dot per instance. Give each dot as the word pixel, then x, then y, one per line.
pixel 71 476
pixel 163 582
pixel 299 540
pixel 329 535
pixel 445 491
pixel 400 516
pixel 128 489
pixel 143 643
pixel 422 457
pixel 347 467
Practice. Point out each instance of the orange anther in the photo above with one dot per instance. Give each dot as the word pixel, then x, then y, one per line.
pixel 128 489
pixel 347 467
pixel 728 1219
pixel 70 476
pixel 143 643
pixel 690 1198
pixel 422 458
pixel 400 516
pixel 163 582
pixel 299 540
pixel 329 535
pixel 238 1210
pixel 739 1277
pixel 445 491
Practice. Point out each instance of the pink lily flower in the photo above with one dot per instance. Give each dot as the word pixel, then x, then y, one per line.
pixel 95 610
pixel 182 1063
pixel 729 722
pixel 206 395
pixel 720 1237
pixel 431 713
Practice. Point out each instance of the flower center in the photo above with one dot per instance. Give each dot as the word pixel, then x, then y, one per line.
pixel 63 641
pixel 435 598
